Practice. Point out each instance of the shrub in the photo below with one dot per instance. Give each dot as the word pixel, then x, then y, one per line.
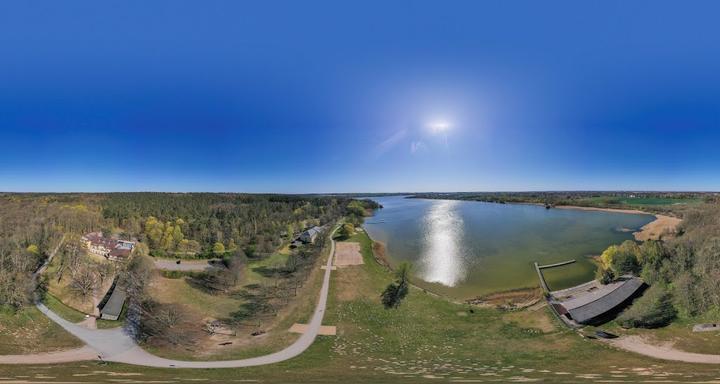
pixel 654 309
pixel 393 295
pixel 396 291
pixel 604 276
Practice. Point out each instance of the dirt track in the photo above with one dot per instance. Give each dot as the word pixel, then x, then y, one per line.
pixel 78 354
pixel 665 352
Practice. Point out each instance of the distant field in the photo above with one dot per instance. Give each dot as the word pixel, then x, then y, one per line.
pixel 639 201
pixel 658 201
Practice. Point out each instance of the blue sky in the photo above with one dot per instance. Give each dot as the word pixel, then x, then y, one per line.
pixel 342 96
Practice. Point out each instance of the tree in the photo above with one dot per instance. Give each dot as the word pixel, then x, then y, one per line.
pixel 604 276
pixel 622 259
pixel 167 324
pixel 707 268
pixel 141 249
pixel 346 230
pixel 32 248
pixel 83 282
pixel 218 249
pixel 397 290
pixel 654 309
pixel 606 258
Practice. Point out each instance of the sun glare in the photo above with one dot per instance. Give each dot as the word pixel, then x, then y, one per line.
pixel 439 126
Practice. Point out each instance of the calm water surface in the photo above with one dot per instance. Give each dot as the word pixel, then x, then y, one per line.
pixel 466 248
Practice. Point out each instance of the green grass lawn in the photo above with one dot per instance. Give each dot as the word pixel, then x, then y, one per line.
pixel 610 201
pixel 63 310
pixel 427 339
pixel 28 331
pixel 658 201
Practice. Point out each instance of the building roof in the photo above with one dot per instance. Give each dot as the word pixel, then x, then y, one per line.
pixel 114 305
pixel 97 239
pixel 600 299
pixel 118 248
pixel 314 230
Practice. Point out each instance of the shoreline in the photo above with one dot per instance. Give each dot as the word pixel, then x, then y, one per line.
pixel 380 257
pixel 654 230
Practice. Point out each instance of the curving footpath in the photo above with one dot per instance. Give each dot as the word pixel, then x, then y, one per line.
pixel 116 346
pixel 637 344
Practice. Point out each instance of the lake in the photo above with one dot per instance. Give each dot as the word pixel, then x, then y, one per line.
pixel 465 248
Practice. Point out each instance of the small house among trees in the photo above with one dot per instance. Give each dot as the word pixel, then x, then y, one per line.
pixel 310 235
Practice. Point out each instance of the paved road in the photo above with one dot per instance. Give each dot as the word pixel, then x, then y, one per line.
pixel 115 345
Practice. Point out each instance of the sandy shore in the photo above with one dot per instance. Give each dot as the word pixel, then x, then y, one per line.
pixel 661 226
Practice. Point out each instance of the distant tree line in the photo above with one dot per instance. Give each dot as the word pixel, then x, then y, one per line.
pixel 210 223
pixel 599 199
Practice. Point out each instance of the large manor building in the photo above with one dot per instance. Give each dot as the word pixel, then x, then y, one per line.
pixel 112 249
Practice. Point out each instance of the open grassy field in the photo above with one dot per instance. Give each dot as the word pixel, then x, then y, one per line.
pixel 659 201
pixel 427 339
pixel 639 201
pixel 182 291
pixel 205 305
pixel 29 331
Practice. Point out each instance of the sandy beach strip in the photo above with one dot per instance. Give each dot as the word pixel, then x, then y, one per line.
pixel 662 225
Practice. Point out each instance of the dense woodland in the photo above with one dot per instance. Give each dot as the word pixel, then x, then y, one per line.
pixel 232 226
pixel 683 272
pixel 31 227
pixel 194 223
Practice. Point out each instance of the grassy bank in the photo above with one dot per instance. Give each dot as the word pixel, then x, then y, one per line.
pixel 28 331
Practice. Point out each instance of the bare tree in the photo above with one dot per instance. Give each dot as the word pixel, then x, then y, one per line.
pixel 83 281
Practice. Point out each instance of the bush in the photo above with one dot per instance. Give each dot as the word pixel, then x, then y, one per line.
pixel 604 276
pixel 654 309
pixel 180 274
pixel 394 294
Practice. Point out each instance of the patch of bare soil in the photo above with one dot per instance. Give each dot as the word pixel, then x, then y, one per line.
pixel 538 320
pixel 347 253
pixel 379 254
pixel 509 300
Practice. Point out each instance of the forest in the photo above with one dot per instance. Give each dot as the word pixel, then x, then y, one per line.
pixel 683 271
pixel 164 224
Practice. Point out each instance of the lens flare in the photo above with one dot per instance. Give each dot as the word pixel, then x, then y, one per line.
pixel 439 126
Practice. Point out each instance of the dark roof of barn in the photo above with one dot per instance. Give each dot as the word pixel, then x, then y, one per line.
pixel 115 303
pixel 588 311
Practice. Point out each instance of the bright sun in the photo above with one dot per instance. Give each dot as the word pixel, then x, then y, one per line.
pixel 439 126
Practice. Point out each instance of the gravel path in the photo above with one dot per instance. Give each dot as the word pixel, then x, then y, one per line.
pixel 78 354
pixel 665 352
pixel 115 345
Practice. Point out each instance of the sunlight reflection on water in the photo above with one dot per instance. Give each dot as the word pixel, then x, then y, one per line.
pixel 442 261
